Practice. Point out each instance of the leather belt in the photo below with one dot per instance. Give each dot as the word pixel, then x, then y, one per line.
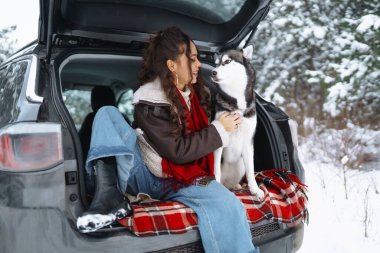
pixel 203 181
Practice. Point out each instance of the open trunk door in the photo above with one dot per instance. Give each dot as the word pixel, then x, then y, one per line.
pixel 213 26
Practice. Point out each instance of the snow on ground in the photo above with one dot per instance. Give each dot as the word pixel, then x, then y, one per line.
pixel 336 224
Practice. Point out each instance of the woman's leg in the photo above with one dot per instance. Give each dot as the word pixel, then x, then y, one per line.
pixel 222 218
pixel 111 155
pixel 113 136
pixel 108 203
pixel 141 180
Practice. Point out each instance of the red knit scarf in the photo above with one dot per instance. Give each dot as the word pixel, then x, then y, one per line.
pixel 185 174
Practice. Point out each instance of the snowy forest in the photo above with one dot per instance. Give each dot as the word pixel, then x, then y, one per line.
pixel 6 43
pixel 320 62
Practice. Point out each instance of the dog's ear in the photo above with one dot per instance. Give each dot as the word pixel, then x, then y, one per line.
pixel 248 52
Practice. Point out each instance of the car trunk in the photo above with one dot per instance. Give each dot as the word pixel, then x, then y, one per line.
pixel 80 70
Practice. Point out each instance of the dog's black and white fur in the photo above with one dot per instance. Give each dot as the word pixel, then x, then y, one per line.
pixel 235 79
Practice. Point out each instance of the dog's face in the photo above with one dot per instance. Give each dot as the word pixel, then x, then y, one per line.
pixel 230 67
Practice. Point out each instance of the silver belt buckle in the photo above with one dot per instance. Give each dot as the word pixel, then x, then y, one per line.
pixel 203 181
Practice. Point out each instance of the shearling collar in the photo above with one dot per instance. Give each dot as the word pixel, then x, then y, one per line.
pixel 151 92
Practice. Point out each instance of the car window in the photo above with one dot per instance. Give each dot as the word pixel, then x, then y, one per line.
pixel 11 80
pixel 78 103
pixel 125 105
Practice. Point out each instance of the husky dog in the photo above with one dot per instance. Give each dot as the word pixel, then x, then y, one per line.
pixel 235 79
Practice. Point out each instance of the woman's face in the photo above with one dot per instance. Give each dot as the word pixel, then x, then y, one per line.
pixel 186 75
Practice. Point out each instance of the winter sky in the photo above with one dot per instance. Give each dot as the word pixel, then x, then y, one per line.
pixel 24 14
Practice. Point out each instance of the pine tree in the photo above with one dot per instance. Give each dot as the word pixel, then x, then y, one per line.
pixel 306 51
pixel 6 44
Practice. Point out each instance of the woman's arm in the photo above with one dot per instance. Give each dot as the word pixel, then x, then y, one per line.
pixel 156 123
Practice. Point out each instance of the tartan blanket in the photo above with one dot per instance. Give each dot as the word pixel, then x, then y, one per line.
pixel 285 201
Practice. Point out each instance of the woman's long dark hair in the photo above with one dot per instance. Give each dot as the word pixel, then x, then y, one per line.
pixel 168 45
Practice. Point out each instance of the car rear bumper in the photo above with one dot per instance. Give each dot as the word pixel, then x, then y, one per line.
pixel 287 241
pixel 48 230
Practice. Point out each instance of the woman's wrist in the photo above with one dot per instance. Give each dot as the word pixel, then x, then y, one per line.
pixel 222 132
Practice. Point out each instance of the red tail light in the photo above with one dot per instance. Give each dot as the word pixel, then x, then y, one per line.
pixel 30 146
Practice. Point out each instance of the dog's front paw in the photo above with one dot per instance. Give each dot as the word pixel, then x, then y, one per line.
pixel 258 192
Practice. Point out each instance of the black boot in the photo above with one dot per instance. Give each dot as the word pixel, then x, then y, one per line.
pixel 108 203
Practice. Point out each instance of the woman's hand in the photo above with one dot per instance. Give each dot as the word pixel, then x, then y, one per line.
pixel 230 121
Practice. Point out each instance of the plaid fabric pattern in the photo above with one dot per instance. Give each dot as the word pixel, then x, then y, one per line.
pixel 158 218
pixel 285 201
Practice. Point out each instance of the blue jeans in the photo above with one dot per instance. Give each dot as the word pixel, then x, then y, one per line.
pixel 222 218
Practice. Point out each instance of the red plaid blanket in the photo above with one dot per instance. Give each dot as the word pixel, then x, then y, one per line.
pixel 285 201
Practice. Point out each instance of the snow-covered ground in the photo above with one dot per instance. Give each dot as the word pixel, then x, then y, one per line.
pixel 337 224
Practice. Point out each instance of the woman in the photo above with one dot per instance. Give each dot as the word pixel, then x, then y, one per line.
pixel 172 109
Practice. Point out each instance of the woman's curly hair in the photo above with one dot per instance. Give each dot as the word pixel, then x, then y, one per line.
pixel 168 45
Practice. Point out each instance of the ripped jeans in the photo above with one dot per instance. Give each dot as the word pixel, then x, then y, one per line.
pixel 222 218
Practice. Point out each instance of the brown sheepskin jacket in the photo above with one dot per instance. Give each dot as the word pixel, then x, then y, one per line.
pixel 152 116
